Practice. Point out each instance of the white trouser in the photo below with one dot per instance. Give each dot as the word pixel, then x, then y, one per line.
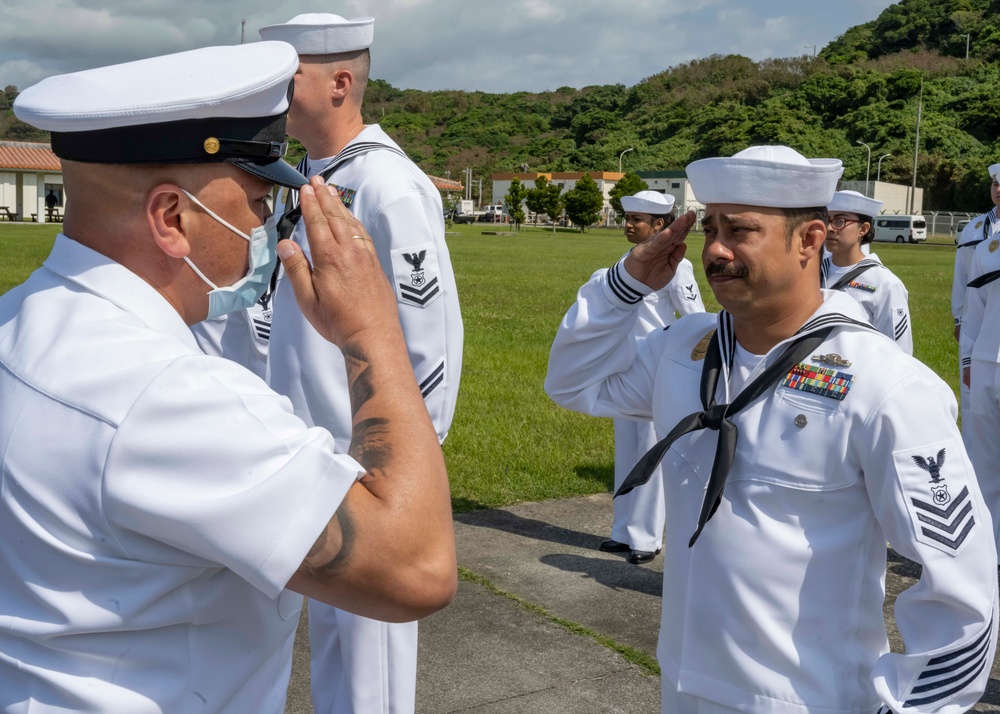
pixel 982 434
pixel 359 665
pixel 674 702
pixel 639 514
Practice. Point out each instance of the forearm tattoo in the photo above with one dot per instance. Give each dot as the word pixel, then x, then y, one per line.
pixel 371 444
pixel 321 560
pixel 359 374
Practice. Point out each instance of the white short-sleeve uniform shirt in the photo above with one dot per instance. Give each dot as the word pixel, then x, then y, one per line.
pixel 155 501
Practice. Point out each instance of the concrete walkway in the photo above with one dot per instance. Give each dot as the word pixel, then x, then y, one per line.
pixel 544 622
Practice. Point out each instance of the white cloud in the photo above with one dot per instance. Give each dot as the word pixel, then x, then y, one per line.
pixel 501 46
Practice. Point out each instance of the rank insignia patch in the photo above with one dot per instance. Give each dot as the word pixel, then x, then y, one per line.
pixel 346 194
pixel 994 245
pixel 416 277
pixel 819 380
pixel 941 519
pixel 861 286
pixel 691 292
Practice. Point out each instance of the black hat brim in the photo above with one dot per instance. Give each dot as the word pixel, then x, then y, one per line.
pixel 278 172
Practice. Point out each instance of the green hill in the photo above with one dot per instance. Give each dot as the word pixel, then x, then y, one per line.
pixel 863 86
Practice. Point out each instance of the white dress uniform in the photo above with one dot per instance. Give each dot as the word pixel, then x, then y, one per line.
pixel 973 234
pixel 881 294
pixel 240 336
pixel 358 664
pixel 639 514
pixel 155 502
pixel 778 606
pixel 980 348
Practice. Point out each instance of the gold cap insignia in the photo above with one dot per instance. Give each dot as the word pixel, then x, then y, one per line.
pixel 211 145
pixel 701 349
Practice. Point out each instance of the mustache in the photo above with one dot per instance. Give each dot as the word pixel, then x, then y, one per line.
pixel 726 270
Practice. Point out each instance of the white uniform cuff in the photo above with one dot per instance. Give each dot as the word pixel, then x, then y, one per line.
pixel 621 288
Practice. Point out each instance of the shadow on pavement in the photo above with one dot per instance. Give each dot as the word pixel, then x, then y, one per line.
pixel 611 574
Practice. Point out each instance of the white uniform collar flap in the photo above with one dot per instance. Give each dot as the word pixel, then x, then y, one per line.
pixel 112 281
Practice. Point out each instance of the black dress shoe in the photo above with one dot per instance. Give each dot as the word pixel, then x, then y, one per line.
pixel 638 557
pixel 613 546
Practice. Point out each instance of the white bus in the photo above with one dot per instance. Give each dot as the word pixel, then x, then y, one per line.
pixel 900 229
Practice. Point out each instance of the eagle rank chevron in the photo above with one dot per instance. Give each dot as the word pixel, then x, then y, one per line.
pixel 940 518
pixel 415 272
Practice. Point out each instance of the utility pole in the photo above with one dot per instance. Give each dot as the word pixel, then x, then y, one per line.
pixel 966 45
pixel 243 30
pixel 878 173
pixel 620 158
pixel 868 171
pixel 916 147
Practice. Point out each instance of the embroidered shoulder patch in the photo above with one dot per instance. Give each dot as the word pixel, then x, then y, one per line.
pixel 861 286
pixel 415 275
pixel 937 497
pixel 819 380
pixel 346 194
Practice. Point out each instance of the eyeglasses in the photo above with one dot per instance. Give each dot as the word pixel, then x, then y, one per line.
pixel 839 224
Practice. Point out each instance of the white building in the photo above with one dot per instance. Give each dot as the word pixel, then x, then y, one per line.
pixel 605 180
pixel 28 172
pixel 895 196
pixel 676 184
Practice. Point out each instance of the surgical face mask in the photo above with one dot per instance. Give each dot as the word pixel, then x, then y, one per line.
pixel 246 291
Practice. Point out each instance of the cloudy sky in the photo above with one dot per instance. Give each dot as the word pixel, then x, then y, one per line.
pixel 489 45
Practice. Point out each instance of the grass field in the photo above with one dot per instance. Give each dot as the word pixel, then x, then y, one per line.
pixel 509 443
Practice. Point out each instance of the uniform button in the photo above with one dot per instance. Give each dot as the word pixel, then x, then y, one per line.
pixel 801 421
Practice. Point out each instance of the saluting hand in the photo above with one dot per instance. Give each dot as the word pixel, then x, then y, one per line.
pixel 654 261
pixel 344 291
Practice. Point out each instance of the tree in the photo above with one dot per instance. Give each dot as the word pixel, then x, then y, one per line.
pixel 584 202
pixel 545 198
pixel 628 185
pixel 515 202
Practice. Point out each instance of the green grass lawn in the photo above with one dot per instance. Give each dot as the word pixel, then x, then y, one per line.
pixel 509 442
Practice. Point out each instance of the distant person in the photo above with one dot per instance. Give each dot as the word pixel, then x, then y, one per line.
pixel 638 516
pixel 882 295
pixel 162 511
pixel 50 204
pixel 361 665
pixel 979 348
pixel 797 440
pixel 975 232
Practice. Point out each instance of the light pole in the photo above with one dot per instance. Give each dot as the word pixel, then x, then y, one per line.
pixel 868 172
pixel 966 45
pixel 878 173
pixel 620 158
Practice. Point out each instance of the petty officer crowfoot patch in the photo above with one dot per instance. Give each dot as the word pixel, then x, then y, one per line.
pixel 938 500
pixel 415 275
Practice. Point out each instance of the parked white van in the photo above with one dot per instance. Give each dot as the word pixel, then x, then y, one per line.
pixel 900 229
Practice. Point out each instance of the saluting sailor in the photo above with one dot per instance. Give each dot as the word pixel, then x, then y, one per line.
pixel 975 232
pixel 638 516
pixel 361 665
pixel 797 441
pixel 881 294
pixel 163 511
pixel 979 348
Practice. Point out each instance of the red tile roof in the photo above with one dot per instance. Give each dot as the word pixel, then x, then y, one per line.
pixel 442 184
pixel 26 155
